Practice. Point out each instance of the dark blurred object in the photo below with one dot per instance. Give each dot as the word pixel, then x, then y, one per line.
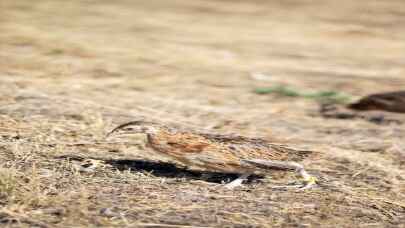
pixel 381 117
pixel 390 102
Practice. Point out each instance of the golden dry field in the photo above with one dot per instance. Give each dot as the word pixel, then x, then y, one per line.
pixel 70 71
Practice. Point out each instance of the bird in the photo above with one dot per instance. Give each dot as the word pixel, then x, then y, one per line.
pixel 219 152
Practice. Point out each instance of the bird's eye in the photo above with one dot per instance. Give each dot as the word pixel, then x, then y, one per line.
pixel 129 129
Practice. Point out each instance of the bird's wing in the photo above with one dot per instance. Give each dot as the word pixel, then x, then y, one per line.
pixel 245 147
pixel 188 143
pixel 196 151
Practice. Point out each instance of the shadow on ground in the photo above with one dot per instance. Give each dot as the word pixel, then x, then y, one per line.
pixel 167 170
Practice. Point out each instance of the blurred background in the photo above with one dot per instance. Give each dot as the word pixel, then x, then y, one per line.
pixel 208 55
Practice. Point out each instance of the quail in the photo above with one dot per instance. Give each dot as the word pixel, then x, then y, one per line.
pixel 220 153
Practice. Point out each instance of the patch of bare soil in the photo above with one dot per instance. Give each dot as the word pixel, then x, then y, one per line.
pixel 70 71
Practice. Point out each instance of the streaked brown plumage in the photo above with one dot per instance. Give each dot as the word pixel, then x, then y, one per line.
pixel 221 153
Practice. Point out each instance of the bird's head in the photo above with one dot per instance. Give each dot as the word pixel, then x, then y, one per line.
pixel 134 127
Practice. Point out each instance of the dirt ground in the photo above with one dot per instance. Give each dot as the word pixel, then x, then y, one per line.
pixel 70 71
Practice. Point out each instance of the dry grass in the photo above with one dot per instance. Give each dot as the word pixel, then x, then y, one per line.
pixel 71 70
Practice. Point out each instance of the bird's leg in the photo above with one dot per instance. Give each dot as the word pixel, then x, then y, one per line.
pixel 237 182
pixel 309 180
